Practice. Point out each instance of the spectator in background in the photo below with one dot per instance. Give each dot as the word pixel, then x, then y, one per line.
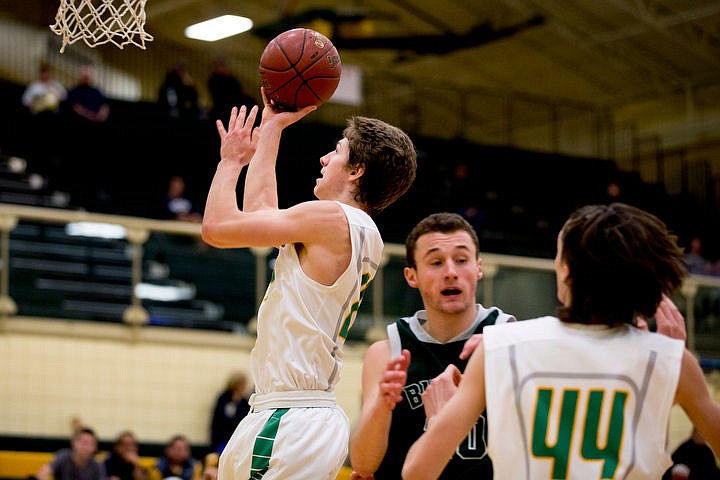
pixel 613 191
pixel 226 90
pixel 177 461
pixel 707 300
pixel 86 101
pixel 457 188
pixel 123 462
pixel 693 460
pixel 231 406
pixel 83 176
pixel 694 257
pixel 178 95
pixel 177 204
pixel 44 95
pixel 210 466
pixel 43 99
pixel 712 254
pixel 463 197
pixel 77 462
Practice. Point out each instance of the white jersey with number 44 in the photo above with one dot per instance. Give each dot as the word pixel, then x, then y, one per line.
pixel 572 401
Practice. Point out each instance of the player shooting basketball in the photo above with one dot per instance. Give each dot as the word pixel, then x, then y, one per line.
pixel 329 252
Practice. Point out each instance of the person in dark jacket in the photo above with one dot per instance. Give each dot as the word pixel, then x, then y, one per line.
pixel 231 406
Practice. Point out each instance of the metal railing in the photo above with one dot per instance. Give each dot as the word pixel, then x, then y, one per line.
pixel 520 285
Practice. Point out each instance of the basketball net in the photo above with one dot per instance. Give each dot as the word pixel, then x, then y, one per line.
pixel 96 22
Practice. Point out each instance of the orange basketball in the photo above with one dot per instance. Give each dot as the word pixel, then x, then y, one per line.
pixel 299 67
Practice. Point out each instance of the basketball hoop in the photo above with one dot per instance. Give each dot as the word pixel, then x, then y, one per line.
pixel 96 22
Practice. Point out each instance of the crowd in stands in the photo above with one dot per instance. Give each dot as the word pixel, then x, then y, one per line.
pixel 79 139
pixel 700 261
pixel 123 461
pixel 117 157
pixel 76 462
pixel 83 460
pixel 704 261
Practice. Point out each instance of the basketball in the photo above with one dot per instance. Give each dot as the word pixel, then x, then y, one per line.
pixel 299 67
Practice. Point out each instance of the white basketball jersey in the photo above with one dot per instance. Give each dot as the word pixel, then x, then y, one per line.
pixel 577 401
pixel 302 324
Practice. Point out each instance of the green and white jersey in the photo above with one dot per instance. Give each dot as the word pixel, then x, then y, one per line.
pixel 571 401
pixel 302 324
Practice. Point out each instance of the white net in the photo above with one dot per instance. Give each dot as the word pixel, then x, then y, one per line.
pixel 121 22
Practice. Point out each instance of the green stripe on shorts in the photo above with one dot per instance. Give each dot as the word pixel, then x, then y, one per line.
pixel 262 451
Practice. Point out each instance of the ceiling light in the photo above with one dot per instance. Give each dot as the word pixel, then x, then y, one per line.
pixel 219 27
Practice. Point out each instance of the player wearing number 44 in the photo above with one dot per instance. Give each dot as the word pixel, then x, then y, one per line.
pixel 585 394
pixel 329 252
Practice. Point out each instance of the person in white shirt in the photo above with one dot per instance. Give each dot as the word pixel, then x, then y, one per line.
pixel 329 252
pixel 44 94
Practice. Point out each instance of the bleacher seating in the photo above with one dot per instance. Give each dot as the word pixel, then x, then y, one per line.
pixel 521 199
pixel 23 187
pixel 523 195
pixel 58 275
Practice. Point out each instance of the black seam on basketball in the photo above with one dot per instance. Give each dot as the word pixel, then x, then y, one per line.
pixel 300 56
pixel 297 92
pixel 292 65
pixel 303 80
pixel 284 54
pixel 320 57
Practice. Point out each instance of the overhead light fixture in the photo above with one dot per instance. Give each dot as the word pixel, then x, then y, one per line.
pixel 218 28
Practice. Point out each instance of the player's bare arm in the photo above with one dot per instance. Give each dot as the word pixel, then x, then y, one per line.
pixel 440 390
pixel 383 380
pixel 670 321
pixel 237 147
pixel 470 345
pixel 320 223
pixel 261 182
pixel 694 398
pixel 429 455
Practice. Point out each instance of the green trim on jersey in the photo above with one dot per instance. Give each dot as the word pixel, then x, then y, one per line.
pixel 262 450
